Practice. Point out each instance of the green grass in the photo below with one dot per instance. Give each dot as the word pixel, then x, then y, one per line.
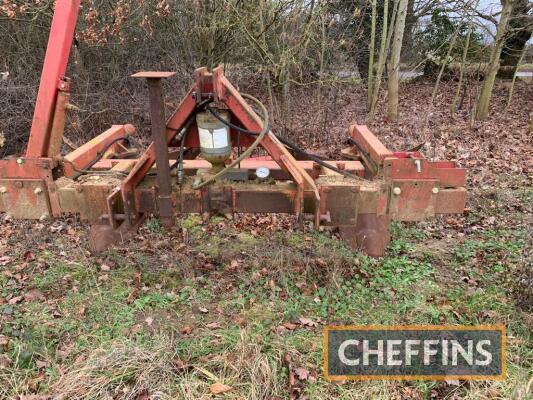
pixel 213 311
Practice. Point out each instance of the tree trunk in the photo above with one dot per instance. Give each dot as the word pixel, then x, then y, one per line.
pixel 511 89
pixel 411 21
pixel 453 107
pixel 371 49
pixel 394 62
pixel 383 50
pixel 482 109
pixel 521 29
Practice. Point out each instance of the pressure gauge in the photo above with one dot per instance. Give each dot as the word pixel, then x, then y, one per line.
pixel 262 173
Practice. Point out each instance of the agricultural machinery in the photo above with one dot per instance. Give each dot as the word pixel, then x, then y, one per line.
pixel 201 160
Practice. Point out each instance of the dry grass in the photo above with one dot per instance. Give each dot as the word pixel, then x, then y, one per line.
pixel 128 371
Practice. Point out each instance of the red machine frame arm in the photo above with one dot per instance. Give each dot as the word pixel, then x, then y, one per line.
pixel 55 66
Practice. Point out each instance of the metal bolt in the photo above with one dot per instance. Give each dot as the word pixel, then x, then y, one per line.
pixel 38 191
pixel 435 190
pixel 3 190
pixel 20 161
pixel 19 184
pixel 397 191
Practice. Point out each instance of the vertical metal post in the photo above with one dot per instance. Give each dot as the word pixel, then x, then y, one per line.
pixel 157 115
pixel 55 65
pixel 58 122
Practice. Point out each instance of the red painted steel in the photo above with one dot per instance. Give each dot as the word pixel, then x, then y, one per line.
pixel 153 74
pixel 55 65
pixel 83 155
pixel 251 121
pixel 404 168
pixel 147 160
pixel 354 167
pixel 58 123
pixel 370 143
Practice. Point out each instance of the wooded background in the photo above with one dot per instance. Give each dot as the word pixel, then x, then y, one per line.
pixel 297 55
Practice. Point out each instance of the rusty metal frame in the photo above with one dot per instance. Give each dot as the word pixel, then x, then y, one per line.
pixel 397 186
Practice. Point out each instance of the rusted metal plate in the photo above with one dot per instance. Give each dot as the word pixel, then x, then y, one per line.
pixel 58 122
pixel 421 168
pixel 85 154
pixel 340 203
pixel 369 143
pixel 88 198
pixel 153 74
pixel 114 207
pixel 25 198
pixel 413 200
pixel 21 168
pixel 451 201
pixel 370 234
pixel 373 199
pixel 216 199
pixel 264 201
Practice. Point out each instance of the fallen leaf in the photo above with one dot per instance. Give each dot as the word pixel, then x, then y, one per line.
pixel 5 361
pixel 203 310
pixel 34 295
pixel 42 364
pixel 280 329
pixel 302 373
pixel 3 341
pixel 133 295
pixel 217 388
pixel 28 256
pixel 149 321
pixel 290 326
pixel 5 260
pixel 15 300
pixel 213 325
pixel 144 395
pixel 187 330
pixel 180 365
pixel 105 267
pixel 307 322
pixel 239 320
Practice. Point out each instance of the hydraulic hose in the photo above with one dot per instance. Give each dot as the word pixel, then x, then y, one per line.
pixel 287 143
pixel 101 153
pixel 249 150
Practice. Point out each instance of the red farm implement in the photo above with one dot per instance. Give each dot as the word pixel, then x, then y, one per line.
pixel 114 189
